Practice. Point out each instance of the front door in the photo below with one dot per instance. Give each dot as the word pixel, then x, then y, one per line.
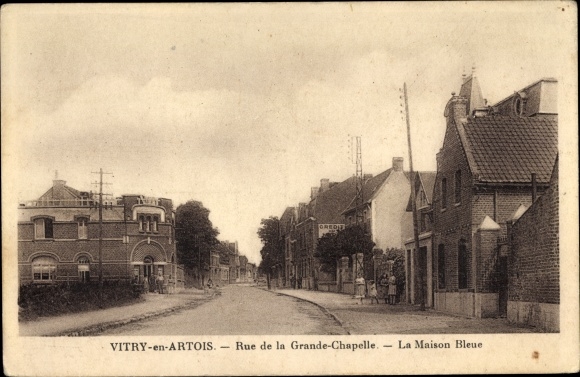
pixel 149 273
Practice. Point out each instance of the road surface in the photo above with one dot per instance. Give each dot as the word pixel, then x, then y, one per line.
pixel 240 310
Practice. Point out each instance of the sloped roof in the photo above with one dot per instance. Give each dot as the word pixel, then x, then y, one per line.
pixel 427 181
pixel 370 188
pixel 329 205
pixel 64 192
pixel 507 149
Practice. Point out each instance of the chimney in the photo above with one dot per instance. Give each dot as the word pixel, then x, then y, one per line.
pixel 324 184
pixel 313 193
pixel 458 106
pixel 398 163
pixel 58 188
pixel 366 177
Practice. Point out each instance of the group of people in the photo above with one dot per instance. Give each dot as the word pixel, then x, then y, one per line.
pixel 153 283
pixel 387 289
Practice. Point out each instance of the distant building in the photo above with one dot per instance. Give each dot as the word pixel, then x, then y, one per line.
pixel 58 238
pixel 485 171
pixel 385 199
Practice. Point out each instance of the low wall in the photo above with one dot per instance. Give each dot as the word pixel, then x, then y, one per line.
pixel 327 286
pixel 540 315
pixel 348 288
pixel 469 304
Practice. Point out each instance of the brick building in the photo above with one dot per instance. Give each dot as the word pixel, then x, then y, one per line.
pixel 534 262
pixel 58 238
pixel 484 174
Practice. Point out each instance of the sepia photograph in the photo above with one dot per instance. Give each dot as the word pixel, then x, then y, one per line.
pixel 289 189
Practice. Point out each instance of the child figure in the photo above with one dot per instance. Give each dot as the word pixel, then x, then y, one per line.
pixel 373 292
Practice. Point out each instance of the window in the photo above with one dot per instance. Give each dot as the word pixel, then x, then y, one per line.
pixel 43 228
pixel 458 186
pixel 148 224
pixel 444 193
pixel 462 265
pixel 84 270
pixel 441 266
pixel 43 269
pixel 141 223
pixel 154 225
pixel 82 228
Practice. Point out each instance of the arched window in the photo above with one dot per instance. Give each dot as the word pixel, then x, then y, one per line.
pixel 154 225
pixel 84 269
pixel 141 223
pixel 441 266
pixel 43 269
pixel 462 262
pixel 148 224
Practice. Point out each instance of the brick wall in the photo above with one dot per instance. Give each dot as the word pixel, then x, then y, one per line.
pixel 453 223
pixel 534 272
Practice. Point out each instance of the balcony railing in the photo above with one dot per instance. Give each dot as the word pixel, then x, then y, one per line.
pixel 61 203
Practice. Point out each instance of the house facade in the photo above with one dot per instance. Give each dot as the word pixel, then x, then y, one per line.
pixel 59 238
pixel 420 262
pixel 485 169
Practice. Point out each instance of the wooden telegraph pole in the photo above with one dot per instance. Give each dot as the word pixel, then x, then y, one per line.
pixel 413 202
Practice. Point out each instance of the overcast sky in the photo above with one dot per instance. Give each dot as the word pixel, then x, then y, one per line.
pixel 245 107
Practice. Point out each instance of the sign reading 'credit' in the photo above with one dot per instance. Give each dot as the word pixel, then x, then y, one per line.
pixel 329 228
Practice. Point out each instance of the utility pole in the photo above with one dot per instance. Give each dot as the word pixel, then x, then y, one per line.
pixel 413 202
pixel 101 183
pixel 359 205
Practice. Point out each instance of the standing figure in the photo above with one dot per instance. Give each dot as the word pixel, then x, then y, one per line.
pixel 373 291
pixel 145 284
pixel 392 289
pixel 359 288
pixel 384 288
pixel 159 282
pixel 293 281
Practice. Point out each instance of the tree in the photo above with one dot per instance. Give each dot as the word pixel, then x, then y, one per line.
pixel 272 251
pixel 195 235
pixel 345 243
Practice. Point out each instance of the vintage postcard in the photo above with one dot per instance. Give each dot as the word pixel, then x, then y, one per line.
pixel 289 189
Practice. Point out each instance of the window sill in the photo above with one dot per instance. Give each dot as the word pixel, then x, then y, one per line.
pixel 44 239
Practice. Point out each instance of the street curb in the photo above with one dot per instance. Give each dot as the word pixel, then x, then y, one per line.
pixel 325 310
pixel 100 327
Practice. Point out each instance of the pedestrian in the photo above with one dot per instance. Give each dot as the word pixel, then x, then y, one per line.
pixel 159 282
pixel 210 284
pixel 383 291
pixel 373 291
pixel 392 289
pixel 145 284
pixel 359 288
pixel 293 281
